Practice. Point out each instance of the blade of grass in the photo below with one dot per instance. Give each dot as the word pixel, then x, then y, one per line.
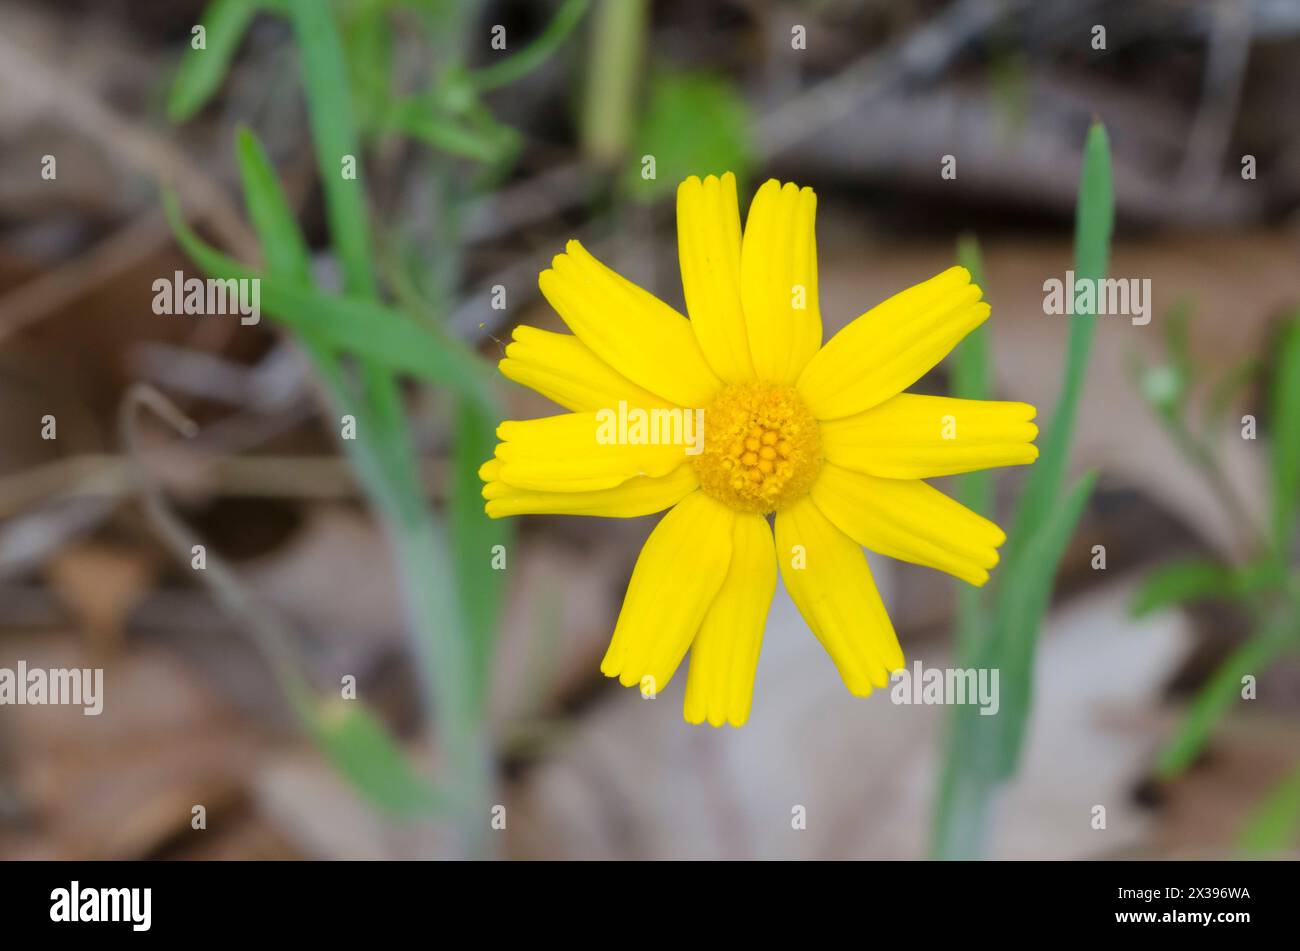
pixel 976 757
pixel 1022 602
pixel 434 603
pixel 1183 580
pixel 365 753
pixel 1286 436
pixel 362 327
pixel 475 537
pixel 970 380
pixel 325 79
pixel 1221 691
pixel 282 243
pixel 201 70
pixel 983 751
pixel 535 53
pixel 418 116
pixel 1025 580
pixel 1275 825
pixel 353 738
pixel 1094 221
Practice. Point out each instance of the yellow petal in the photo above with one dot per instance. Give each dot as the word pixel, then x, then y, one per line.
pixel 563 368
pixel 909 520
pixel 630 329
pixel 778 281
pixel 724 655
pixel 642 495
pixel 576 452
pixel 892 345
pixel 708 245
pixel 676 579
pixel 921 437
pixel 836 595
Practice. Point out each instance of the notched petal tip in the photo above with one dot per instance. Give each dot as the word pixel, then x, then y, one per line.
pixel 714 720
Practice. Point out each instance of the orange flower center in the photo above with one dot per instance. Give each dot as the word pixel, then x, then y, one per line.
pixel 762 448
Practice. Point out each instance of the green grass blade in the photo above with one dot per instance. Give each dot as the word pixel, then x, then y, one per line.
pixel 283 245
pixel 1285 426
pixel 535 53
pixel 1183 580
pixel 970 380
pixel 365 753
pixel 362 327
pixel 474 536
pixel 970 364
pixel 1040 529
pixel 983 752
pixel 1275 825
pixel 1094 222
pixel 201 71
pixel 1021 606
pixel 354 739
pixel 418 116
pixel 1221 691
pixel 325 79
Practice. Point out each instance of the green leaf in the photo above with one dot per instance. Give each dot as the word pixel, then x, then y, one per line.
pixel 970 380
pixel 201 70
pixel 1042 527
pixel 283 245
pixel 1285 426
pixel 474 537
pixel 696 124
pixel 365 753
pixel 535 53
pixel 1180 581
pixel 1094 220
pixel 356 742
pixel 325 79
pixel 1023 597
pixel 362 327
pixel 1177 324
pixel 368 47
pixel 419 116
pixel 981 752
pixel 1230 387
pixel 1275 824
pixel 1221 691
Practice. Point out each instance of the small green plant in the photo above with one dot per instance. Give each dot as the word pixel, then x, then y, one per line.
pixel 998 628
pixel 1264 585
pixel 361 348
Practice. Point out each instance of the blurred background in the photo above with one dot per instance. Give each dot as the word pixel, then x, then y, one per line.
pixel 328 687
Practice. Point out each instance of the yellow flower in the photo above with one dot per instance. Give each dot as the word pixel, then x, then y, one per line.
pixel 822 436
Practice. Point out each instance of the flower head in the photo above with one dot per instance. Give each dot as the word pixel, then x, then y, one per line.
pixel 822 439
